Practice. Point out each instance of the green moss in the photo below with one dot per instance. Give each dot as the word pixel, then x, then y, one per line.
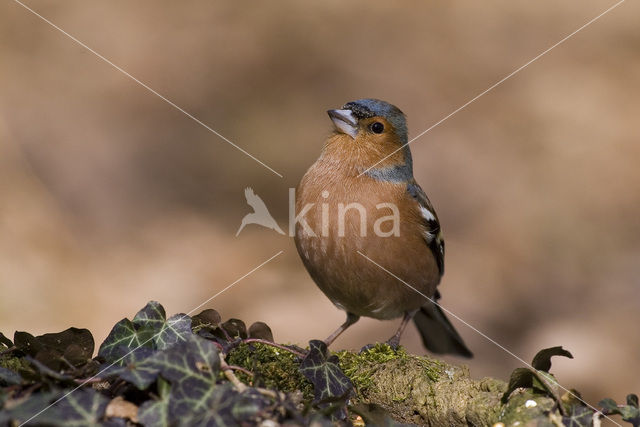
pixel 15 364
pixel 362 367
pixel 272 368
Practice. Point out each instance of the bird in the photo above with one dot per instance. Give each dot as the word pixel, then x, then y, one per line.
pixel 359 205
pixel 260 214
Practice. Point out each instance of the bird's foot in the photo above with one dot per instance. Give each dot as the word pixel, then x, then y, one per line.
pixel 366 348
pixel 394 344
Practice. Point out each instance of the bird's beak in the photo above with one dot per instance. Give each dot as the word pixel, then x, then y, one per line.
pixel 344 121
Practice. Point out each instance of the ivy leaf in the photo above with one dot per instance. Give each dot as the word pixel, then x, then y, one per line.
pixel 218 412
pixel 209 318
pixel 629 412
pixel 538 377
pixel 137 367
pixel 33 404
pixel 192 368
pixel 235 328
pixel 248 404
pixel 9 377
pixel 5 341
pixel 260 330
pixel 57 351
pixel 323 371
pixel 155 413
pixel 520 377
pixel 542 360
pixel 609 406
pixel 166 332
pixel 84 407
pixel 149 328
pixel 580 417
pixel 125 335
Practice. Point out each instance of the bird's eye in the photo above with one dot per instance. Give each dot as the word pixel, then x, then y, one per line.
pixel 377 127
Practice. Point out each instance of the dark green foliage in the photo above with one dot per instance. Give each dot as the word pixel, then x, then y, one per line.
pixel 575 412
pixel 322 370
pixel 72 347
pixel 331 386
pixel 629 412
pixel 9 377
pixel 169 369
pixel 542 360
pixel 149 328
pixel 538 377
pixel 580 416
pixel 199 370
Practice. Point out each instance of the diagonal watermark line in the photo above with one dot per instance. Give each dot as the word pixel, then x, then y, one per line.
pixel 86 381
pixel 237 280
pixel 177 107
pixel 488 338
pixel 498 83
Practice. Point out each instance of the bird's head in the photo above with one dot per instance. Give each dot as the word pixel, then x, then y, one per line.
pixel 372 119
pixel 376 128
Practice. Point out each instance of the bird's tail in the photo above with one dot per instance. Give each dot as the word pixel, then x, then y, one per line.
pixel 438 334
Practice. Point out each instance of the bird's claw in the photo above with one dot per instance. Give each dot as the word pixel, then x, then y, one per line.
pixel 394 344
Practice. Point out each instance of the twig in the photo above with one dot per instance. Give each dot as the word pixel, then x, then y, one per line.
pixel 228 372
pixel 241 369
pixel 9 350
pixel 88 380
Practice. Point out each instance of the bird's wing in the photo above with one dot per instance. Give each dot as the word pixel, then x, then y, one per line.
pixel 431 226
pixel 254 200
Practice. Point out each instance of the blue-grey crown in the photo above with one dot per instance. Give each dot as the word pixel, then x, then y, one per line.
pixel 365 108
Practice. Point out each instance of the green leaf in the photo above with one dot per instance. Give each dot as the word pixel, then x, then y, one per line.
pixel 609 406
pixel 57 351
pixel 149 328
pixel 137 367
pixel 542 360
pixel 208 317
pixel 125 336
pixel 629 412
pixel 217 413
pixel 166 332
pixel 192 368
pixel 260 330
pixel 235 328
pixel 580 417
pixel 5 341
pixel 9 377
pixel 155 413
pixel 83 407
pixel 22 411
pixel 520 377
pixel 248 404
pixel 322 369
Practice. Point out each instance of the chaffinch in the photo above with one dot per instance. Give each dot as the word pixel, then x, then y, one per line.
pixel 344 207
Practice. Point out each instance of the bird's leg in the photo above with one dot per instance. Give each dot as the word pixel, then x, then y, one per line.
pixel 394 341
pixel 351 319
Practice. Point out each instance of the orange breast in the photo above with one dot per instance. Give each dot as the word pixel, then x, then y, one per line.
pixel 346 214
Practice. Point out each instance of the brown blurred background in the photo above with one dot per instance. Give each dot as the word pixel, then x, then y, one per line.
pixel 109 197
